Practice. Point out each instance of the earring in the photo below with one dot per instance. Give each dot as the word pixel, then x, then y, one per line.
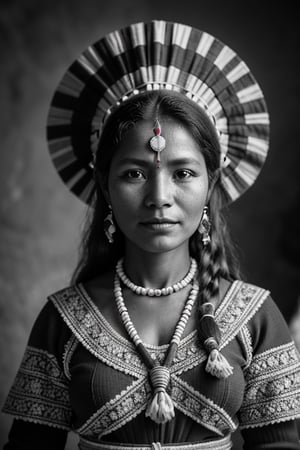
pixel 204 227
pixel 109 226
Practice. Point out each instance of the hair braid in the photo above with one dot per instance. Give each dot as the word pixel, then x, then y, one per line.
pixel 213 266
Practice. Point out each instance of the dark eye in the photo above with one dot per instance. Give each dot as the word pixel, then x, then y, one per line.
pixel 183 174
pixel 134 174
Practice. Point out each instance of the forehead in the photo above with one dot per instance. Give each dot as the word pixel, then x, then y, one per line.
pixel 179 143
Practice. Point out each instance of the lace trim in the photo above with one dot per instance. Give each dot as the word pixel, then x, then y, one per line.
pixel 70 348
pixel 118 411
pixel 200 408
pixel 273 387
pixel 40 391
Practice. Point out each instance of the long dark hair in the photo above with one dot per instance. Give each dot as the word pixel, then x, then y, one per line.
pixel 218 258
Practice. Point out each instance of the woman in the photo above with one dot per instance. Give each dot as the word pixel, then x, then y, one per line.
pixel 157 343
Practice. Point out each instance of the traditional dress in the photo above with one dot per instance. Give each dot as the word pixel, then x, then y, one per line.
pixel 78 373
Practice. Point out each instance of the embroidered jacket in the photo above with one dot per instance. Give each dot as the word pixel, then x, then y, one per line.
pixel 78 373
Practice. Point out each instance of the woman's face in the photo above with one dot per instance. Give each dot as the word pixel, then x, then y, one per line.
pixel 158 209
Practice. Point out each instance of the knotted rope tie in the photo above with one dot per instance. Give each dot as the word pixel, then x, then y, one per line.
pixel 160 408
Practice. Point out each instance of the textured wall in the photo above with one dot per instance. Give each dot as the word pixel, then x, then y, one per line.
pixel 40 221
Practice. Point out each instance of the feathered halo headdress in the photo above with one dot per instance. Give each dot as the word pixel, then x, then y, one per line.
pixel 158 55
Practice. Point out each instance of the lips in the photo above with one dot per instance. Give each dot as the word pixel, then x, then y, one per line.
pixel 159 224
pixel 159 220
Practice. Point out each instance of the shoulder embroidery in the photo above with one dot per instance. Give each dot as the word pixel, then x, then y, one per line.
pixel 237 308
pixel 272 387
pixel 40 391
pixel 82 317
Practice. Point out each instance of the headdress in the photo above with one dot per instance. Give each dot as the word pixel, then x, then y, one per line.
pixel 158 55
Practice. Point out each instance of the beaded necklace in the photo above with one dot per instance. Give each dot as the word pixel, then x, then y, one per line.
pixel 160 407
pixel 139 290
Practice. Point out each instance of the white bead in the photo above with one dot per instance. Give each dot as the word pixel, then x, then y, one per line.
pixel 151 292
pixel 157 292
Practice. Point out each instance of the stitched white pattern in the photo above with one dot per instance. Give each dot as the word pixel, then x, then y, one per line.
pixel 118 411
pixel 200 408
pixel 84 320
pixel 40 391
pixel 237 309
pixel 273 387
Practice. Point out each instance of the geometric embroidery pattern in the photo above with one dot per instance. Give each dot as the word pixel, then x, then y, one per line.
pixel 272 387
pixel 40 391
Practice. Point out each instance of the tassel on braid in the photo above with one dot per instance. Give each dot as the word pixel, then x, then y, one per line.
pixel 213 266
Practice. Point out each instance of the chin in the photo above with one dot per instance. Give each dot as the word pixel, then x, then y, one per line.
pixel 161 245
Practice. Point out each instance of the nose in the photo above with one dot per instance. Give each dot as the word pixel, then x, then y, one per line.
pixel 159 191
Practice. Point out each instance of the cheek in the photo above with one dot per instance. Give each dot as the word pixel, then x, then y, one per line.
pixel 197 198
pixel 125 203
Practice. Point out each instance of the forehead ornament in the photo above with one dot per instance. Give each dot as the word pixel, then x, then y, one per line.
pixel 157 142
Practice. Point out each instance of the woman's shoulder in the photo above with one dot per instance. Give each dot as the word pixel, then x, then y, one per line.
pixel 240 302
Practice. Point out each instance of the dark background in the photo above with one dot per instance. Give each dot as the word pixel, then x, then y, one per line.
pixel 40 221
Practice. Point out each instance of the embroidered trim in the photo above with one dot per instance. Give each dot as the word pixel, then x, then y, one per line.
pixel 273 387
pixel 82 317
pixel 40 391
pixel 70 348
pixel 237 309
pixel 246 340
pixel 200 408
pixel 118 411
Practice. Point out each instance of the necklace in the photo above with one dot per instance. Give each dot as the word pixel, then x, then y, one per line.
pixel 160 407
pixel 139 290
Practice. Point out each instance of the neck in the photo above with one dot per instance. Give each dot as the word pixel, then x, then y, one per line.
pixel 156 270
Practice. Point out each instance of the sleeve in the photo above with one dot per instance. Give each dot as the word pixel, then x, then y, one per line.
pixel 39 397
pixel 271 400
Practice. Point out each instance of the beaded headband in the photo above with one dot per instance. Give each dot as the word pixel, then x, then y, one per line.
pixel 150 56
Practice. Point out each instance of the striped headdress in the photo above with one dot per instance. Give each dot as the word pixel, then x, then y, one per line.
pixel 158 55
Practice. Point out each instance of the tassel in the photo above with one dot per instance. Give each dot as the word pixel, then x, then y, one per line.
pixel 161 407
pixel 217 365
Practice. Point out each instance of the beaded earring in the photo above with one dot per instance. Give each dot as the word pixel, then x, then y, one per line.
pixel 204 227
pixel 109 226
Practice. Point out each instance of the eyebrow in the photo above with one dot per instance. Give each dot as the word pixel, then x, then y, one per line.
pixel 173 162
